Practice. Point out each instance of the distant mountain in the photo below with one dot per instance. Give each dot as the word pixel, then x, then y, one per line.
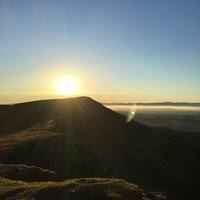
pixel 79 137
pixel 157 104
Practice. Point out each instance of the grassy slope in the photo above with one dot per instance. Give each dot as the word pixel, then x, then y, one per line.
pixel 81 138
pixel 26 173
pixel 75 189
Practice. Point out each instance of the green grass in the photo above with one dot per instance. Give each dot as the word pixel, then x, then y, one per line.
pixel 26 173
pixel 74 189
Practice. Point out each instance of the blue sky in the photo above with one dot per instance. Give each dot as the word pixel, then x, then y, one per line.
pixel 120 50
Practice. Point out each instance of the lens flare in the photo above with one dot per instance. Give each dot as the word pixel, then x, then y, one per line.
pixel 131 113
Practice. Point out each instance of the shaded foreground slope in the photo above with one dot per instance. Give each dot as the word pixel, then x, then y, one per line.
pixel 73 137
pixel 26 173
pixel 78 137
pixel 75 189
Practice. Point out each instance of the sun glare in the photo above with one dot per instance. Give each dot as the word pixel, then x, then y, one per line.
pixel 66 86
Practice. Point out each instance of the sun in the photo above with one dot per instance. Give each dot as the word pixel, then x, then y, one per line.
pixel 66 86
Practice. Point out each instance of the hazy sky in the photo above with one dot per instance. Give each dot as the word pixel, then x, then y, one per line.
pixel 119 50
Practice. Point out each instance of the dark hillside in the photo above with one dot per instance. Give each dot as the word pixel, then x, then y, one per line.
pixel 79 137
pixel 76 189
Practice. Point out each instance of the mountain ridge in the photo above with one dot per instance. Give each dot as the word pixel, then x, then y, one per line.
pixel 79 137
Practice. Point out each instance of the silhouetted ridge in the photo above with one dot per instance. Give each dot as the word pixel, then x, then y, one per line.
pixel 25 115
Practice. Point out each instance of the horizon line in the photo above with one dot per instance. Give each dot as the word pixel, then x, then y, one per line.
pixel 118 103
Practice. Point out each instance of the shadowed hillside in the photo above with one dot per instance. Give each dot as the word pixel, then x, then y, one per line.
pixel 76 189
pixel 78 137
pixel 26 173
